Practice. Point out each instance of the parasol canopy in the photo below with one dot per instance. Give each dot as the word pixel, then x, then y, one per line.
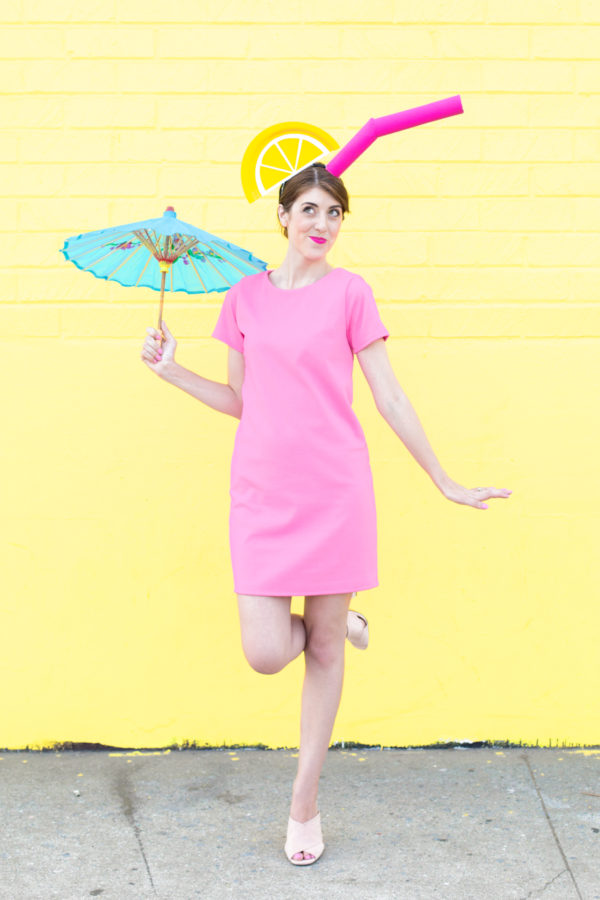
pixel 162 254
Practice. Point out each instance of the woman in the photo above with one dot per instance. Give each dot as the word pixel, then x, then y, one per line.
pixel 302 518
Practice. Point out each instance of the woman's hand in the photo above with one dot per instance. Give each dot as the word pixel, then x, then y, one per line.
pixel 471 496
pixel 159 351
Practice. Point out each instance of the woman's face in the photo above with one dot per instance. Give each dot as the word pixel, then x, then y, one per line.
pixel 314 214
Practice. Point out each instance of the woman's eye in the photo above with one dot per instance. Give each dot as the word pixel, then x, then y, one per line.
pixel 309 209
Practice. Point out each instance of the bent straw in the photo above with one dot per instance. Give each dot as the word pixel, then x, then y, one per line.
pixel 374 128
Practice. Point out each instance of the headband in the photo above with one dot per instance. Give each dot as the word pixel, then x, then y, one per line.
pixel 312 165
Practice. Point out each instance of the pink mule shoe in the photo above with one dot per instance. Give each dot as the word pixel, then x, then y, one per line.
pixel 304 837
pixel 357 630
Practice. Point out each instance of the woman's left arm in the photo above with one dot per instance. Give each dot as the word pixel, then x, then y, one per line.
pixel 399 413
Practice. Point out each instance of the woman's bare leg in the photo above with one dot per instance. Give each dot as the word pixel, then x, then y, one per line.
pixel 272 636
pixel 325 618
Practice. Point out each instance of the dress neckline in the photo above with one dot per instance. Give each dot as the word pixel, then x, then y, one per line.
pixel 303 287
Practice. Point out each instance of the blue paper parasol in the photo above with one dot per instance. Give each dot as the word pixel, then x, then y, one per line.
pixel 143 254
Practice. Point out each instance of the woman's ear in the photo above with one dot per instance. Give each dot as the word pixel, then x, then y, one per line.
pixel 283 216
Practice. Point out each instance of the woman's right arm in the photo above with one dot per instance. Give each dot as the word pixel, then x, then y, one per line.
pixel 161 360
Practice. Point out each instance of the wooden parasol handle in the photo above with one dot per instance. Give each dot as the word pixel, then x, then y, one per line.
pixel 163 277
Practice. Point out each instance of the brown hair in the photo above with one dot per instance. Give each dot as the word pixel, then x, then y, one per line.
pixel 315 175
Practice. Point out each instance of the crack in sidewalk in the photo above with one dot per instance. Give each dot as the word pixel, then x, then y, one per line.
pixel 554 834
pixel 539 891
pixel 123 787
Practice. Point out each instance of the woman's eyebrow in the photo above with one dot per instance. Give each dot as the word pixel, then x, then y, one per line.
pixel 310 203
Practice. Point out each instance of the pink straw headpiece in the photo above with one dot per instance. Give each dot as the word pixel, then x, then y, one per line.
pixel 374 128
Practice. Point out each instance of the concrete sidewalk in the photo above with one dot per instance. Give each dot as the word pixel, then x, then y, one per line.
pixel 478 824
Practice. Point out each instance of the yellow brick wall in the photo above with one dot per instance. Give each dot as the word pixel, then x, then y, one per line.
pixel 480 237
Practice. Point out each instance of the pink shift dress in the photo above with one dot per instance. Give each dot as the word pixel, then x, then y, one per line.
pixel 302 516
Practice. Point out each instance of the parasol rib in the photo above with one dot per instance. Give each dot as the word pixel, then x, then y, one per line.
pixel 220 274
pixel 124 261
pixel 122 238
pixel 142 272
pixel 193 264
pixel 106 255
pixel 224 245
pixel 187 245
pixel 232 264
pixel 146 240
pixel 99 241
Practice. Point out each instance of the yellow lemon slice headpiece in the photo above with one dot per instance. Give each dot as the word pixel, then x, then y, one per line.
pixel 279 152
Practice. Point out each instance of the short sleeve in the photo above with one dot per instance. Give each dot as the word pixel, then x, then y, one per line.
pixel 363 322
pixel 227 328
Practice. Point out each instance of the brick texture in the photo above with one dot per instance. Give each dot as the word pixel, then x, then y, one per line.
pixel 480 235
pixel 109 117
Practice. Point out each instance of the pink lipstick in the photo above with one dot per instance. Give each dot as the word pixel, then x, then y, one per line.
pixel 318 240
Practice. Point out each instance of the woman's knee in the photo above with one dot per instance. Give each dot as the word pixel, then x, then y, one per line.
pixel 266 660
pixel 264 623
pixel 325 645
pixel 325 618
